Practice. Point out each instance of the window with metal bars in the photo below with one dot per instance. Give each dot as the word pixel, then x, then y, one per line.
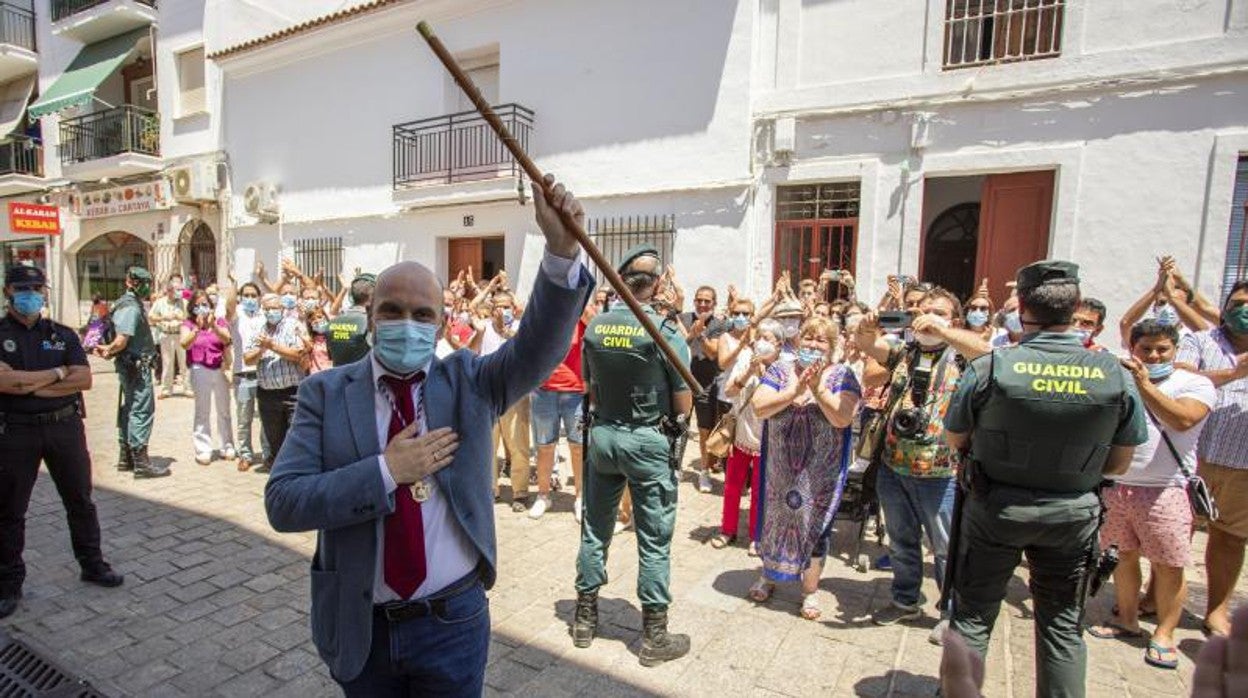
pixel 816 230
pixel 814 201
pixel 616 236
pixel 321 255
pixel 1236 268
pixel 989 32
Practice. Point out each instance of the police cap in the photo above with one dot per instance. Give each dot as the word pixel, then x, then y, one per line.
pixel 137 272
pixel 642 250
pixel 1046 272
pixel 23 277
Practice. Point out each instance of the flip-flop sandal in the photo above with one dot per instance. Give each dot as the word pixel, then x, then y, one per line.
pixel 1210 631
pixel 761 590
pixel 810 607
pixel 1113 631
pixel 719 541
pixel 1140 612
pixel 1161 657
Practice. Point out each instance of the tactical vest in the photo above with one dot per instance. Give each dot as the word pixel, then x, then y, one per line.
pixel 1050 416
pixel 629 378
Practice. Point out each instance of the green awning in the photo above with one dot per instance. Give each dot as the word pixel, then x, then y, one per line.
pixel 92 66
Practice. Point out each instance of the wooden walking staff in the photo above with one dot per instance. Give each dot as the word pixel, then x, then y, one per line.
pixel 465 83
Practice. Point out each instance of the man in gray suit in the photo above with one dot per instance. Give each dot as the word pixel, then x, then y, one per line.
pixel 406 545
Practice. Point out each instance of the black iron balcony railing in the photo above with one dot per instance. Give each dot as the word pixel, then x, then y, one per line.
pixel 66 8
pixel 458 147
pixel 124 129
pixel 17 26
pixel 21 155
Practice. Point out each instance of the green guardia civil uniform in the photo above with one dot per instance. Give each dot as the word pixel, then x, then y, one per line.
pixel 1042 417
pixel 630 385
pixel 137 409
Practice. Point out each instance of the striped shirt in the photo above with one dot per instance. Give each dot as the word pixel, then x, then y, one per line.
pixel 272 371
pixel 1225 438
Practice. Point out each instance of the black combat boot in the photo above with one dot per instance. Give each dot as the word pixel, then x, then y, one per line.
pixel 125 459
pixel 143 468
pixel 585 625
pixel 657 646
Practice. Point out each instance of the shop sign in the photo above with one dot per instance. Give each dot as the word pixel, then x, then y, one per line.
pixel 34 219
pixel 120 201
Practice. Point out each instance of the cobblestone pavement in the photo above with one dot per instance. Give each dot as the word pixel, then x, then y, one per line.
pixel 215 603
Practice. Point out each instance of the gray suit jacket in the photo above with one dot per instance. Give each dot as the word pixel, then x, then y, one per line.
pixel 327 476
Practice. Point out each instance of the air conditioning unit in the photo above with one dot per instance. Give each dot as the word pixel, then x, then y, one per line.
pixel 260 200
pixel 194 183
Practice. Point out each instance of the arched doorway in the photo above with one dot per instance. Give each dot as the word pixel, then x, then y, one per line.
pixel 102 264
pixel 950 248
pixel 197 254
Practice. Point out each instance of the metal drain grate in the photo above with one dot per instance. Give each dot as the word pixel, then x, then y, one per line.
pixel 24 673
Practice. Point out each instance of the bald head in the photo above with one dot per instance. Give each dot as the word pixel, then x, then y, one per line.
pixel 408 291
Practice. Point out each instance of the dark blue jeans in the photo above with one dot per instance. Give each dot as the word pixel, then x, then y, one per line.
pixel 437 655
pixel 914 506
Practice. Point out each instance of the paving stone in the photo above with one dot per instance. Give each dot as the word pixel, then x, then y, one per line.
pixel 289 665
pixel 254 683
pixel 249 655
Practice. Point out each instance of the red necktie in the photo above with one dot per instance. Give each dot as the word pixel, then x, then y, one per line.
pixel 405 529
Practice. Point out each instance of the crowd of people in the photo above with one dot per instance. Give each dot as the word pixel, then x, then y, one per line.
pixel 813 367
pixel 811 395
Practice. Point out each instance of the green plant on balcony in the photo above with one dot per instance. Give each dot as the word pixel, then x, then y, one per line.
pixel 149 134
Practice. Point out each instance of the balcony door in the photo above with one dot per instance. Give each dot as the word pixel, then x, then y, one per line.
pixel 484 256
pixel 1015 213
pixel 140 84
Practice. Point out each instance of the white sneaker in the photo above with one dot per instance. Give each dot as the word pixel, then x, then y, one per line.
pixel 228 453
pixel 540 506
pixel 576 510
pixel 704 482
pixel 203 459
pixel 937 636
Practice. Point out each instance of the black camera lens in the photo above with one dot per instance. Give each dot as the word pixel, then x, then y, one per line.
pixel 909 423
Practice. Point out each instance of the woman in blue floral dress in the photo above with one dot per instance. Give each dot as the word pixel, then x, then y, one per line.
pixel 809 404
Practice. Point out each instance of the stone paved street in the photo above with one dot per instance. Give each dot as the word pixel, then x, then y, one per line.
pixel 215 603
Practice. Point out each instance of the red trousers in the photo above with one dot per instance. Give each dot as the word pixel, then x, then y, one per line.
pixel 740 466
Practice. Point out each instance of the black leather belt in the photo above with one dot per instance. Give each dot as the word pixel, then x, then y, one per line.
pixel 434 604
pixel 39 417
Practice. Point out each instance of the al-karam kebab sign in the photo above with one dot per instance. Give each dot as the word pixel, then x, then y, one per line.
pixel 119 201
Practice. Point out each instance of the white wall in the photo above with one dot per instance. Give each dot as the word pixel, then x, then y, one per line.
pixel 1134 177
pixel 612 114
pixel 182 27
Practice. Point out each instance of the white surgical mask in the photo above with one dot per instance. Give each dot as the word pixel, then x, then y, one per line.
pixel 790 326
pixel 764 349
pixel 929 340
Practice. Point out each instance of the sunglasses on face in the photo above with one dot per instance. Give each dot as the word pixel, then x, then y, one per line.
pixel 740 314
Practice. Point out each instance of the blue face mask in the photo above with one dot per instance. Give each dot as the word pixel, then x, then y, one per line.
pixel 1168 316
pixel 250 305
pixel 509 316
pixel 288 301
pixel 28 303
pixel 320 327
pixel 740 322
pixel 308 304
pixel 1085 337
pixel 807 356
pixel 1014 323
pixel 977 318
pixel 1161 371
pixel 274 316
pixel 403 346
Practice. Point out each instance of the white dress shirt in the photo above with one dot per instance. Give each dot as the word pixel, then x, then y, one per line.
pixel 449 553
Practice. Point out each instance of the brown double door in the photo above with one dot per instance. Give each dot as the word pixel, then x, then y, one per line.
pixel 483 255
pixel 1015 215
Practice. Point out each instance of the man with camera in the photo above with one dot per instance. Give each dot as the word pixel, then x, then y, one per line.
pixel 917 468
pixel 1040 424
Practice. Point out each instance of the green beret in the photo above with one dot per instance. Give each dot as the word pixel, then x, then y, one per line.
pixel 642 250
pixel 1049 271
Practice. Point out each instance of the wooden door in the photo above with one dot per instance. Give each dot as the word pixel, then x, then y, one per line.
pixel 464 253
pixel 1016 211
pixel 805 248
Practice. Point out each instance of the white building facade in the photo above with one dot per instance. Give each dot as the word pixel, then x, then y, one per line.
pixel 115 124
pixel 952 139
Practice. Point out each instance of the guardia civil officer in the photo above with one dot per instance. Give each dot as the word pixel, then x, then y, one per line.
pixel 1044 422
pixel 348 332
pixel 43 371
pixel 135 354
pixel 632 388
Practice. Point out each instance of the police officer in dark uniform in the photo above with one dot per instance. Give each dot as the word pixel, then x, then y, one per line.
pixel 1042 424
pixel 135 354
pixel 633 390
pixel 348 332
pixel 43 371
